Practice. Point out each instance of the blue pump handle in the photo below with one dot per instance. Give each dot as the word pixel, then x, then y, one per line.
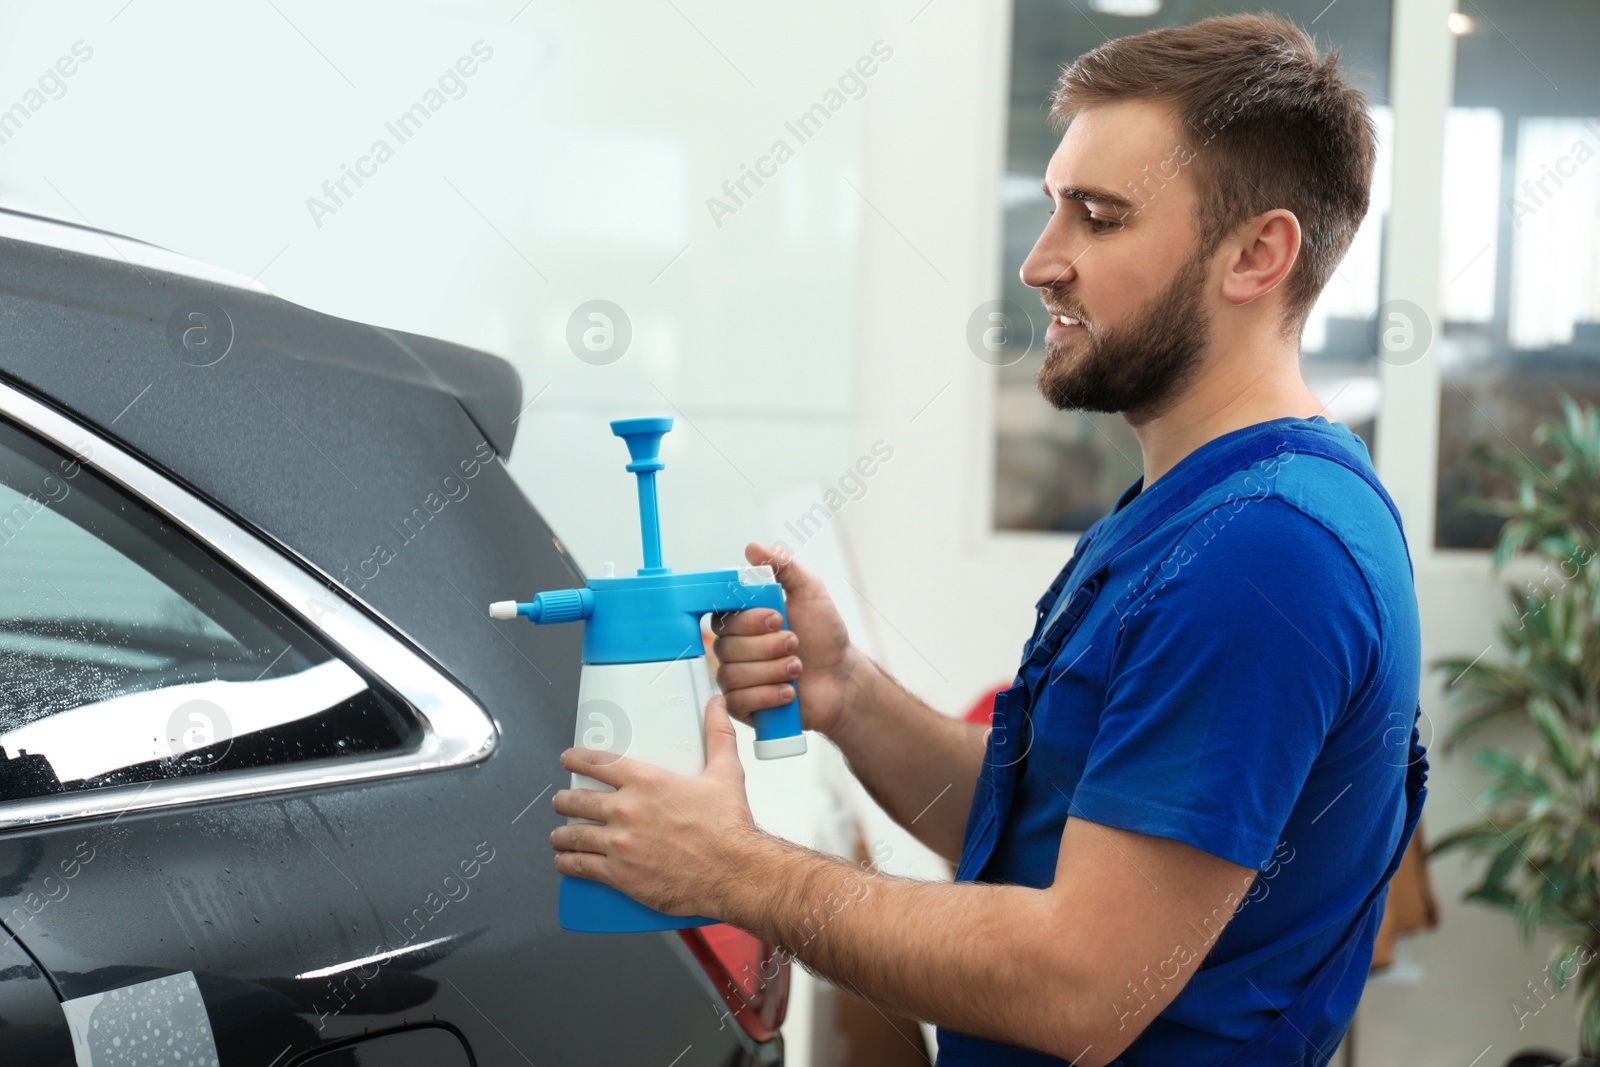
pixel 643 438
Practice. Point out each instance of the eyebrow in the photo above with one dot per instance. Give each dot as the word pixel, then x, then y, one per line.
pixel 1086 193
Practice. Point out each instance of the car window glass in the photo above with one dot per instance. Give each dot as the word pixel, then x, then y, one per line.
pixel 129 654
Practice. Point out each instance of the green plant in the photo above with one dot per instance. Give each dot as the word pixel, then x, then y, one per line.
pixel 1540 834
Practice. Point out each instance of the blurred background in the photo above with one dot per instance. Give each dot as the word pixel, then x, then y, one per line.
pixel 797 230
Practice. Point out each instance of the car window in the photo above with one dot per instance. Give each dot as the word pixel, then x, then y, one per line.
pixel 129 654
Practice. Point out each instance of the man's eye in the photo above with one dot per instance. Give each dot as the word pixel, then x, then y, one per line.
pixel 1100 225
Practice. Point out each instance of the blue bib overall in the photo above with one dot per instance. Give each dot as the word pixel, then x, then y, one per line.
pixel 1340 978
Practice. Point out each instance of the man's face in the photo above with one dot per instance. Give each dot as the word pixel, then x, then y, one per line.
pixel 1118 257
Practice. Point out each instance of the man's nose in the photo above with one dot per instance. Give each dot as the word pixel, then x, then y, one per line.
pixel 1051 263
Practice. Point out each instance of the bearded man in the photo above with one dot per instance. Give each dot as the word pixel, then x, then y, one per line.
pixel 1173 843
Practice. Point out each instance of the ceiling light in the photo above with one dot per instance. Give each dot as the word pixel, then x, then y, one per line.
pixel 1130 8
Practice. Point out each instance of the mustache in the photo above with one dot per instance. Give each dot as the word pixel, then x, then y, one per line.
pixel 1063 307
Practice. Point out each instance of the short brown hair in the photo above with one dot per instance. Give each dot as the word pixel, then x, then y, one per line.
pixel 1277 127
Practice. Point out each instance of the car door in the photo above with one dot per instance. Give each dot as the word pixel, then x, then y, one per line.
pixel 32 1027
pixel 168 737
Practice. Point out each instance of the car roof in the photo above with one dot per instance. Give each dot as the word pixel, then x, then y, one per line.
pixel 35 245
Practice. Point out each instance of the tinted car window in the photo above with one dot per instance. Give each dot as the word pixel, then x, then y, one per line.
pixel 129 654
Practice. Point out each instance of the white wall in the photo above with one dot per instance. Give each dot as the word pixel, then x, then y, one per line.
pixel 575 166
pixel 826 314
pixel 575 163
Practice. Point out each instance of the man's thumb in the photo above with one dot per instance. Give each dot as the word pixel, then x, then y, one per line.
pixel 790 574
pixel 722 744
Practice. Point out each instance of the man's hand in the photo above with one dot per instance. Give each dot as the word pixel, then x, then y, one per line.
pixel 671 841
pixel 757 660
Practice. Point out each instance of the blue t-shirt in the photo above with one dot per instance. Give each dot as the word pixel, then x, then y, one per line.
pixel 1242 683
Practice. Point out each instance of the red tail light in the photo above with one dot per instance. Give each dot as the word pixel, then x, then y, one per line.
pixel 751 975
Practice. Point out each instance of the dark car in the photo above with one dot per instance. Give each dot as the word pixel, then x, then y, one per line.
pixel 274 789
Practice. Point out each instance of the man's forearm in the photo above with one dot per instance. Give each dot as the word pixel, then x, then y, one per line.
pixel 919 765
pixel 965 956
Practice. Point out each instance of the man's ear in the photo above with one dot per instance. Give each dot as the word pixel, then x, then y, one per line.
pixel 1265 251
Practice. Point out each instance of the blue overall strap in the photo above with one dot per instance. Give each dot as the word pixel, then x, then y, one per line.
pixel 993 782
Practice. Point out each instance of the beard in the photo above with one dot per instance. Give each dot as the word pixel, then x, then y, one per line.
pixel 1138 368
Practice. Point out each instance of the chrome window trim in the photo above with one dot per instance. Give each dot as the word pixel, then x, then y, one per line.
pixel 456 729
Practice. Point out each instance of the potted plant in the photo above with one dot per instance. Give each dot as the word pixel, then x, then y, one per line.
pixel 1540 831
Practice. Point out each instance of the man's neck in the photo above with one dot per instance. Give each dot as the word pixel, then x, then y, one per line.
pixel 1217 404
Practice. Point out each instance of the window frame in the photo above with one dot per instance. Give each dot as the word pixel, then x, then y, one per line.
pixel 456 731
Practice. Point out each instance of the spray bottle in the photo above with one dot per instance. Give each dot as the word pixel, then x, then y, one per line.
pixel 644 685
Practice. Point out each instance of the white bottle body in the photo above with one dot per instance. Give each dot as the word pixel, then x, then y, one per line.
pixel 653 712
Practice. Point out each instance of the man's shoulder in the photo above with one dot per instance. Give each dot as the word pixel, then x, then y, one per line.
pixel 1248 547
pixel 1313 490
pixel 1256 539
pixel 1305 531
